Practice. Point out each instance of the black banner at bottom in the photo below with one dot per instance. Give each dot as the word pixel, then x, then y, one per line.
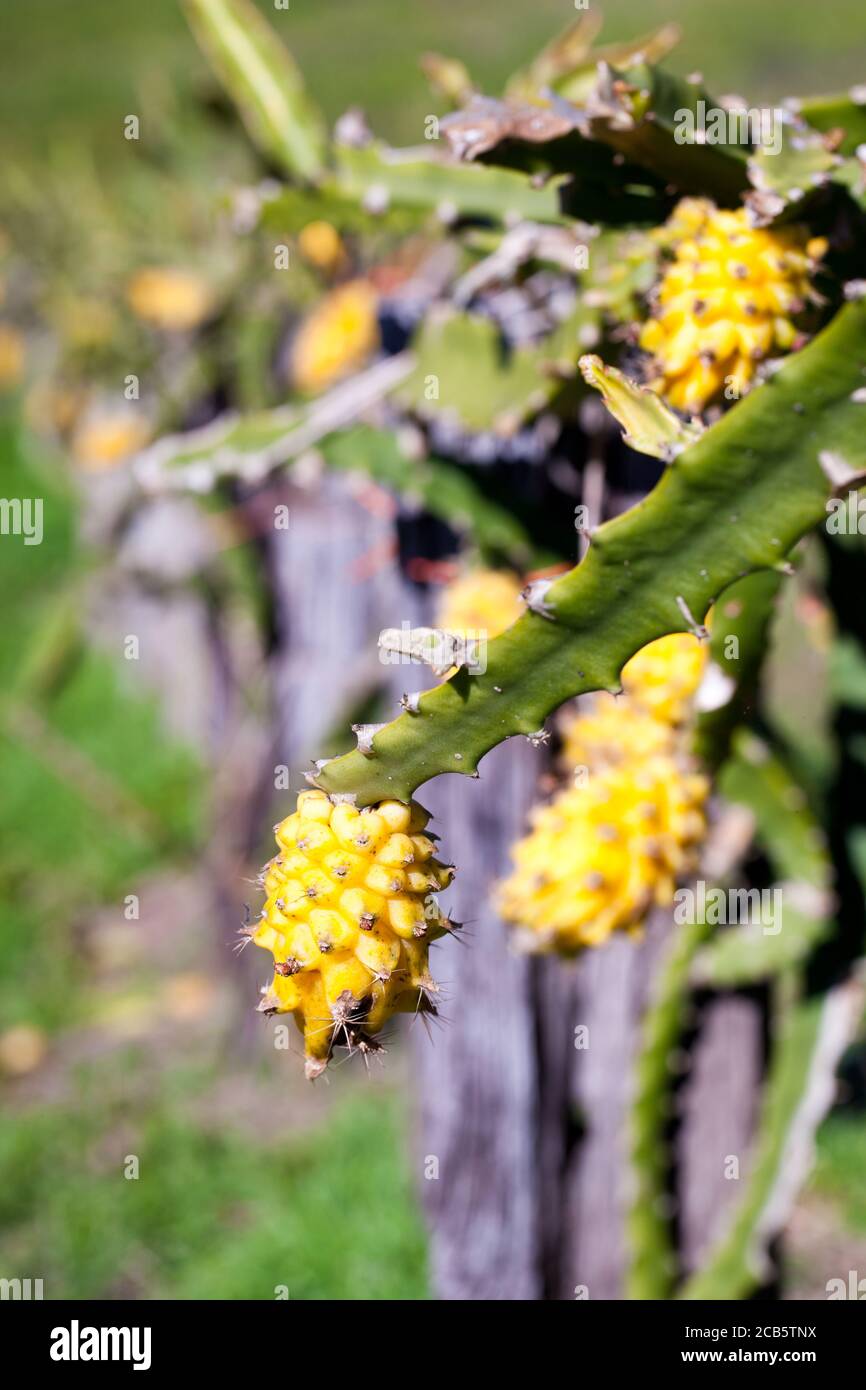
pixel 64 1339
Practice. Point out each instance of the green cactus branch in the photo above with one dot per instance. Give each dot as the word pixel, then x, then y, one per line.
pixel 735 501
pixel 838 111
pixel 637 110
pixel 653 1268
pixel 259 444
pixel 264 81
pixel 569 63
pixel 648 425
pixel 787 182
pixel 794 1092
pixel 786 827
pixel 427 179
pixel 728 959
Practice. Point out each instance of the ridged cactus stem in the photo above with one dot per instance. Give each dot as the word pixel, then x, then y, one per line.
pixel 653 1270
pixel 733 502
pixel 264 81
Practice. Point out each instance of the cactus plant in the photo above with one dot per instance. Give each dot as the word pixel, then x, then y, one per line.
pixel 706 255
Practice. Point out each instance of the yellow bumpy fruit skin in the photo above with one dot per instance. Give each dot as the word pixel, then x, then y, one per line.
pixel 611 846
pixel 349 918
pixel 599 856
pixel 727 300
pixel 663 677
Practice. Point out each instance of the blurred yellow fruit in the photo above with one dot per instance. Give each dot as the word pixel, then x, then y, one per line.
pixel 336 338
pixel 169 298
pixel 103 441
pixel 22 1049
pixel 11 356
pixel 481 601
pixel 664 676
pixel 321 245
pixel 611 846
pixel 601 854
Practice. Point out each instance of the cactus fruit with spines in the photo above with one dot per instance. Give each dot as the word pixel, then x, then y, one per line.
pixel 600 856
pixel 350 914
pixel 728 300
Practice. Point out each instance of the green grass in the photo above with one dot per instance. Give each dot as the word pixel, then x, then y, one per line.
pixel 79 69
pixel 212 1214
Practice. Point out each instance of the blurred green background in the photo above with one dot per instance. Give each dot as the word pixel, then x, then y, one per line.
pixel 122 1038
pixel 74 67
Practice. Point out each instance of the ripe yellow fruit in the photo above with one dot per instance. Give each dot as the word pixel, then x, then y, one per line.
pixel 321 245
pixel 169 298
pixel 664 676
pixel 482 601
pixel 12 356
pixel 611 845
pixel 659 685
pixel 600 855
pixel 103 441
pixel 338 336
pixel 728 299
pixel 351 910
pixel 612 730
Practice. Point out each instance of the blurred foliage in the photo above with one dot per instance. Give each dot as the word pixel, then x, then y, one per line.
pixel 98 58
pixel 841 1169
pixel 92 791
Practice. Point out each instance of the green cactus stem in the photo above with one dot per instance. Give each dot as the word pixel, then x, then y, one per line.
pixel 653 1268
pixel 430 179
pixel 744 614
pixel 796 846
pixel 738 645
pixel 734 502
pixel 841 111
pixel 264 81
